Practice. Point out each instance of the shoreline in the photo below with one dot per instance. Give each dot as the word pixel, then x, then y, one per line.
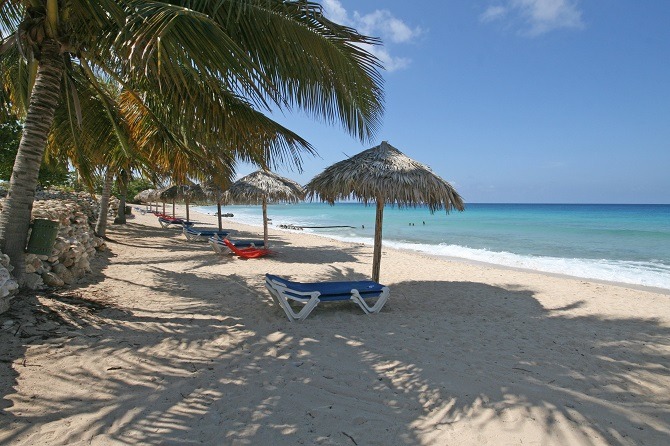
pixel 168 343
pixel 634 286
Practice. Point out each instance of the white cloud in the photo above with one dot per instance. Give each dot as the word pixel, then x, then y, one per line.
pixel 382 23
pixel 389 62
pixel 538 16
pixel 335 12
pixel 493 13
pixel 379 23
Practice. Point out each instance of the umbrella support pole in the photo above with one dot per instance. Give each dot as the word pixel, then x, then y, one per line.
pixel 265 222
pixel 218 214
pixel 377 253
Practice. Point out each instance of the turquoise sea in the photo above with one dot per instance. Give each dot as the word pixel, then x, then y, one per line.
pixel 620 243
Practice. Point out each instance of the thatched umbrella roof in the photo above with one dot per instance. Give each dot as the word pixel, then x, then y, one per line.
pixel 219 195
pixel 194 192
pixel 263 187
pixel 384 175
pixel 185 192
pixel 175 192
pixel 148 196
pixel 145 196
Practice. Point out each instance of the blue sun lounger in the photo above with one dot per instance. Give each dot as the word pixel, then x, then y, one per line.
pixel 201 235
pixel 310 294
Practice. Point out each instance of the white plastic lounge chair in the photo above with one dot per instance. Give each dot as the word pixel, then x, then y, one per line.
pixel 310 294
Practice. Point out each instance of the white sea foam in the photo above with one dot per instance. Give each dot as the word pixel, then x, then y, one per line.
pixel 630 272
pixel 635 273
pixel 649 274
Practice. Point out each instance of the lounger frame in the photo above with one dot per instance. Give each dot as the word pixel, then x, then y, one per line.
pixel 197 235
pixel 283 295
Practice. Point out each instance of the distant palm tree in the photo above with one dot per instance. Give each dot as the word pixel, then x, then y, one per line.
pixel 194 68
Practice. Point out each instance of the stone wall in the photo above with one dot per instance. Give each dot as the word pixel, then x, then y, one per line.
pixel 75 244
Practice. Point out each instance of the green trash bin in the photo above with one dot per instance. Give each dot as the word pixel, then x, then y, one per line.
pixel 42 237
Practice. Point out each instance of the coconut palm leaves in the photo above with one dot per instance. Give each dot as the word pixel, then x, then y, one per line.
pixel 194 73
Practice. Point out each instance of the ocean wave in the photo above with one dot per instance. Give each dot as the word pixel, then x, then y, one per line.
pixel 644 273
pixel 651 274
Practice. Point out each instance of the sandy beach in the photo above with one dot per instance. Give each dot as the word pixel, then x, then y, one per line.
pixel 167 343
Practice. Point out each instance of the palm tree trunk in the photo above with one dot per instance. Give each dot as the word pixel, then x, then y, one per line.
pixel 377 253
pixel 187 214
pixel 16 212
pixel 121 214
pixel 101 225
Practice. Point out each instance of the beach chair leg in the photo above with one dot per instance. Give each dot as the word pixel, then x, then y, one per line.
pixel 279 298
pixel 216 247
pixel 304 311
pixel 376 308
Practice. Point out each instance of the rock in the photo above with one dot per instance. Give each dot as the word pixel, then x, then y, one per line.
pixel 63 273
pixel 52 280
pixel 33 281
pixel 74 247
pixel 4 276
pixel 5 302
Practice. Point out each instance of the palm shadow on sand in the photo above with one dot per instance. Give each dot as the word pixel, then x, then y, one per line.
pixel 223 356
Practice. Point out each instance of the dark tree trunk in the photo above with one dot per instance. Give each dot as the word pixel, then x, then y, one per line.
pixel 101 225
pixel 121 214
pixel 16 212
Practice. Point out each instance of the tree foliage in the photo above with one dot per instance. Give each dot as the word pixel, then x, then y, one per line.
pixel 52 173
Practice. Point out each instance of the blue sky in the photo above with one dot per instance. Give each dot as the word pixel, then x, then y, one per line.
pixel 550 101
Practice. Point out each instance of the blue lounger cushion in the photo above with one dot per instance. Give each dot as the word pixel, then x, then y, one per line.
pixel 174 221
pixel 331 290
pixel 247 243
pixel 310 294
pixel 197 234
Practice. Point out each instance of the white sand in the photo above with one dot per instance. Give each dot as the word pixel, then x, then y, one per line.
pixel 170 344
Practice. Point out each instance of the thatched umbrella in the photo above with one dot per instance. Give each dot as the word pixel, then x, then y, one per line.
pixel 171 193
pixel 265 187
pixel 143 196
pixel 184 192
pixel 384 175
pixel 194 192
pixel 147 196
pixel 217 194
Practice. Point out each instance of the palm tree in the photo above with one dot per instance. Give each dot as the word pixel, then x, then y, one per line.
pixel 201 66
